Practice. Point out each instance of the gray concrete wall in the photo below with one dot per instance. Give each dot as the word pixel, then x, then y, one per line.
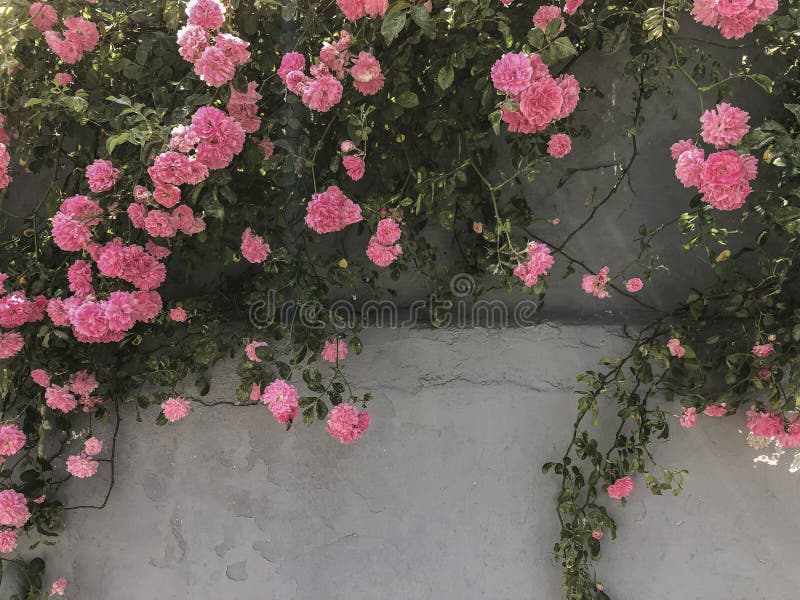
pixel 443 498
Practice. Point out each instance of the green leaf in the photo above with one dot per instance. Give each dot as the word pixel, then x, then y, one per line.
pixel 445 77
pixel 408 100
pixel 764 81
pixel 393 23
pixel 421 16
pixel 563 48
pixel 115 140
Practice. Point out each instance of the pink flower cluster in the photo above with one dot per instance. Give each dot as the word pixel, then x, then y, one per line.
pixel 734 18
pixel 382 248
pixel 176 408
pixel 5 159
pixel 331 211
pixel 94 320
pixel 79 36
pixel 131 263
pixel 621 488
pixel 353 164
pixel 104 321
pixel 214 138
pixel 17 310
pixel 215 60
pixel 538 98
pixel 73 221
pixel 254 248
pixel 784 428
pixel 346 423
pixel 724 177
pixel 334 351
pixel 281 399
pixel 12 440
pixel 538 262
pixel 356 9
pixel 66 398
pixel 596 284
pixel 102 175
pixel 322 90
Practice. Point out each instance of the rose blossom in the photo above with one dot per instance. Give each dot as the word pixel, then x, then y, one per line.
pixel 177 314
pixel 281 399
pixel 572 6
pixel 63 79
pixel 634 285
pixel 176 408
pixel 322 93
pixel 724 126
pixel 254 248
pixel 352 9
pixel 250 350
pixel 621 488
pixel 43 16
pixel 766 424
pixel 13 509
pixel 12 440
pixel 355 167
pixel 596 284
pixel 688 417
pixel 82 33
pixel 268 147
pixel 545 14
pixel 597 534
pixel 331 211
pixel 346 424
pixel 366 73
pixel 763 350
pixel 214 67
pixel 59 398
pixel 512 73
pixel 59 587
pixel 539 261
pixel 11 342
pixel 291 61
pixel 383 255
pixel 81 466
pixel 715 410
pixel 102 175
pixel 92 446
pixel 559 145
pixel 208 14
pixel 334 351
pixel 8 540
pixel 192 42
pixel 40 377
pixel 675 348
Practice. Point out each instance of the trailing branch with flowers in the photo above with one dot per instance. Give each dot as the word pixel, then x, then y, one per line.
pixel 253 138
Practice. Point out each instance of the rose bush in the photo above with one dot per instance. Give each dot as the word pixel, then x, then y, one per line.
pixel 177 135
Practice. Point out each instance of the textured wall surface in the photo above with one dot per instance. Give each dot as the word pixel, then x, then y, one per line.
pixel 443 498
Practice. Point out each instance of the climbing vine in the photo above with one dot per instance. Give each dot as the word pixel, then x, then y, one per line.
pixel 208 163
